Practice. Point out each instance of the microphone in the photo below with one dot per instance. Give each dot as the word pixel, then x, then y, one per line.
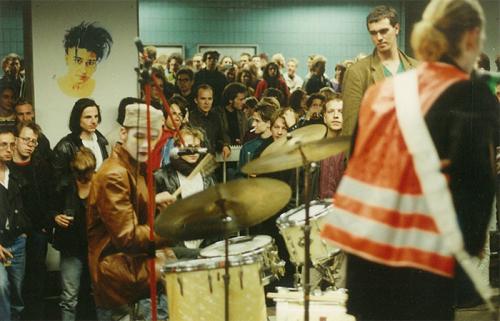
pixel 176 152
pixel 139 45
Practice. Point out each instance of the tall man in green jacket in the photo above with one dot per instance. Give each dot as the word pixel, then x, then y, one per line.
pixel 386 60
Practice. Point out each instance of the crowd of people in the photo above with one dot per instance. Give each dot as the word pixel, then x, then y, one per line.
pixel 91 201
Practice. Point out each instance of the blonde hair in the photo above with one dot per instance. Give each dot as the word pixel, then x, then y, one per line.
pixel 442 26
pixel 83 164
pixel 191 131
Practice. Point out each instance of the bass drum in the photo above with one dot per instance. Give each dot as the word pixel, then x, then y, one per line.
pixel 195 290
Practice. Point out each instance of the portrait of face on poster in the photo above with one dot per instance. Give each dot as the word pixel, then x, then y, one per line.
pixel 82 49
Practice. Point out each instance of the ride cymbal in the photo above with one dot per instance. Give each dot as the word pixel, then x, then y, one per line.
pixel 246 202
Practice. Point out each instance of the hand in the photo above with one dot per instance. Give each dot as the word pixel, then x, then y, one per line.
pixel 226 152
pixel 290 119
pixel 164 199
pixel 64 220
pixel 5 255
pixel 163 257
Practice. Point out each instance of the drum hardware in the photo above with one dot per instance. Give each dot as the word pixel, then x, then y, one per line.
pixel 223 209
pixel 261 246
pixel 299 149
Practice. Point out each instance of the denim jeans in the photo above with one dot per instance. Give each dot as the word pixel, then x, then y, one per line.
pixel 11 281
pixel 144 308
pixel 71 272
pixel 35 277
pixel 142 311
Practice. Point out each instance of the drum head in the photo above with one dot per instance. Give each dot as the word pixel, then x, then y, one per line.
pixel 241 245
pixel 207 264
pixel 297 216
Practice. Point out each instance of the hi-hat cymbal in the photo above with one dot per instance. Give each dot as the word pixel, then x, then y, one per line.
pixel 301 135
pixel 247 202
pixel 292 157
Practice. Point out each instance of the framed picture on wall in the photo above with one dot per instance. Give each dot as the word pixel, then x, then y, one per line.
pixel 167 50
pixel 234 51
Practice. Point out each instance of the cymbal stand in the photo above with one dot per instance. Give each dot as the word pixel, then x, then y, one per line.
pixel 226 220
pixel 307 235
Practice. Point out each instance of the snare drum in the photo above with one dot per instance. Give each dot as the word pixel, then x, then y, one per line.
pixel 290 225
pixel 261 246
pixel 195 290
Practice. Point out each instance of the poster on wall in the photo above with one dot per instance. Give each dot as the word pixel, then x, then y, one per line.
pixel 82 49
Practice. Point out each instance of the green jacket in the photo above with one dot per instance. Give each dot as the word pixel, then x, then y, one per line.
pixel 357 79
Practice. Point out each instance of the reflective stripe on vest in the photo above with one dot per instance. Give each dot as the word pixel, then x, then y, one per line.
pixel 380 211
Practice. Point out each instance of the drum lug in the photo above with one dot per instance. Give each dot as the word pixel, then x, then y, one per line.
pixel 210 283
pixel 241 279
pixel 181 288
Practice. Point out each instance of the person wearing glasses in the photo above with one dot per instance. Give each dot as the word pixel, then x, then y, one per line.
pixel 85 46
pixel 14 225
pixel 36 174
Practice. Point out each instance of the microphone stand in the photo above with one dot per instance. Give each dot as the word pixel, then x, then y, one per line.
pixel 307 235
pixel 146 78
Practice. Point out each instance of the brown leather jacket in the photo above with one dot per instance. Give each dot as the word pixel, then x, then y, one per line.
pixel 117 230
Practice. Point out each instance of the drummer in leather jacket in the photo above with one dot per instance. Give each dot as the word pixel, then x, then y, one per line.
pixel 84 119
pixel 169 178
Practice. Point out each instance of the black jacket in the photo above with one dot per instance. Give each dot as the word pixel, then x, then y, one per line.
pixel 63 154
pixel 211 123
pixel 13 209
pixel 37 191
pixel 71 241
pixel 166 179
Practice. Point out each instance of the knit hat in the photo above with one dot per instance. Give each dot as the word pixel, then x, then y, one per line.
pixel 136 116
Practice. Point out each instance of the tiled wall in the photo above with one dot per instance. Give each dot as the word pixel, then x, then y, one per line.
pixel 335 29
pixel 11 28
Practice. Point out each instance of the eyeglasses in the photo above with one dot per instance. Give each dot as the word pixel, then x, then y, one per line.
pixel 29 141
pixel 5 145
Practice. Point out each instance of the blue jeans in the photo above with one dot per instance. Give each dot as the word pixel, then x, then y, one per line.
pixel 11 281
pixel 143 311
pixel 71 272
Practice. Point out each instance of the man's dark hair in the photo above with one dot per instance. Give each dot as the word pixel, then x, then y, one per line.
pixel 265 111
pixel 213 53
pixel 123 104
pixel 23 101
pixel 175 56
pixel 265 73
pixel 4 129
pixel 231 90
pixel 276 93
pixel 315 96
pixel 484 61
pixel 77 111
pixel 87 36
pixel 179 101
pixel 185 71
pixel 296 100
pixel 31 125
pixel 381 12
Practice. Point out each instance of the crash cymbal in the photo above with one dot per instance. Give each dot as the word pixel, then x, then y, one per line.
pixel 301 135
pixel 313 151
pixel 247 202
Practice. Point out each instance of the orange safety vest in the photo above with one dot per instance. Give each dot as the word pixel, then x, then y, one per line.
pixel 381 213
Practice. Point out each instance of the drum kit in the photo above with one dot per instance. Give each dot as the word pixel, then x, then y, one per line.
pixel 236 269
